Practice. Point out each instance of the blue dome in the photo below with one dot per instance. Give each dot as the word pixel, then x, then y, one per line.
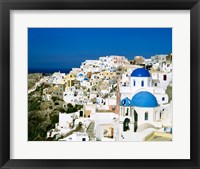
pixel 144 99
pixel 80 74
pixel 125 102
pixel 85 78
pixel 140 72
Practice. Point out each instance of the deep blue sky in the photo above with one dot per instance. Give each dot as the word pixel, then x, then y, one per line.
pixel 60 48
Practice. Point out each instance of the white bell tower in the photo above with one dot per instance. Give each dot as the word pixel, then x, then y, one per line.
pixel 126 117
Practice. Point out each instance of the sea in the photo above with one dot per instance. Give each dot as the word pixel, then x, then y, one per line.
pixel 48 71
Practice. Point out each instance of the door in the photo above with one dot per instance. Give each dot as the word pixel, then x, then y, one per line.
pixel 126 124
pixel 136 121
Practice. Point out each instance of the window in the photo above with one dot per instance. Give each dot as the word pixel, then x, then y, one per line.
pixel 163 98
pixel 127 110
pixel 165 77
pixel 155 84
pixel 124 102
pixel 146 116
pixel 142 83
pixel 83 139
pixel 134 83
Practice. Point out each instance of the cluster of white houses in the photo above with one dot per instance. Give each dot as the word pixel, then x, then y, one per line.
pixel 121 101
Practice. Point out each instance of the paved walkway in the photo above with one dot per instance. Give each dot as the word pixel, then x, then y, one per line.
pixel 72 131
pixel 90 131
pixel 34 88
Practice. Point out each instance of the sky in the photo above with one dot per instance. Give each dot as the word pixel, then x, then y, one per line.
pixel 65 48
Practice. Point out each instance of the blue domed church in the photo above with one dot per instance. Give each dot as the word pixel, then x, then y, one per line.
pixel 140 80
pixel 139 105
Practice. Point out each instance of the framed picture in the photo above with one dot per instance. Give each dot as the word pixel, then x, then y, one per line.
pixel 99 84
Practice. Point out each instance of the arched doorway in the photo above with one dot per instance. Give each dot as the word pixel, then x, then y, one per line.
pixel 136 121
pixel 81 113
pixel 126 124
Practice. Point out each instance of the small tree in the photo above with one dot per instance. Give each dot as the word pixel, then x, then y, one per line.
pixel 69 105
pixel 93 100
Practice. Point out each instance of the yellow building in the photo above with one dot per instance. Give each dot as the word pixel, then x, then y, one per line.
pixel 69 80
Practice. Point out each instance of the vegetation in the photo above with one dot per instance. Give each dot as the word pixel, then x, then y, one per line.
pixel 169 92
pixel 33 78
pixel 34 104
pixel 93 100
pixel 43 115
pixel 54 98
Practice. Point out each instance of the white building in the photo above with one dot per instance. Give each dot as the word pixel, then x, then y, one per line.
pixel 58 78
pixel 67 122
pixel 74 96
pixel 161 79
pixel 141 80
pixel 106 126
pixel 142 105
pixel 140 114
pixel 76 136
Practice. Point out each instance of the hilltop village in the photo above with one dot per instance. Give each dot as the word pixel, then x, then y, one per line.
pixel 109 99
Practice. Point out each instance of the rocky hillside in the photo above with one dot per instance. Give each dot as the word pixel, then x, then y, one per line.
pixel 42 115
pixel 33 78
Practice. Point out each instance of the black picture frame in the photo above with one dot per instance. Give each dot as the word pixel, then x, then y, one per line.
pixel 7 5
